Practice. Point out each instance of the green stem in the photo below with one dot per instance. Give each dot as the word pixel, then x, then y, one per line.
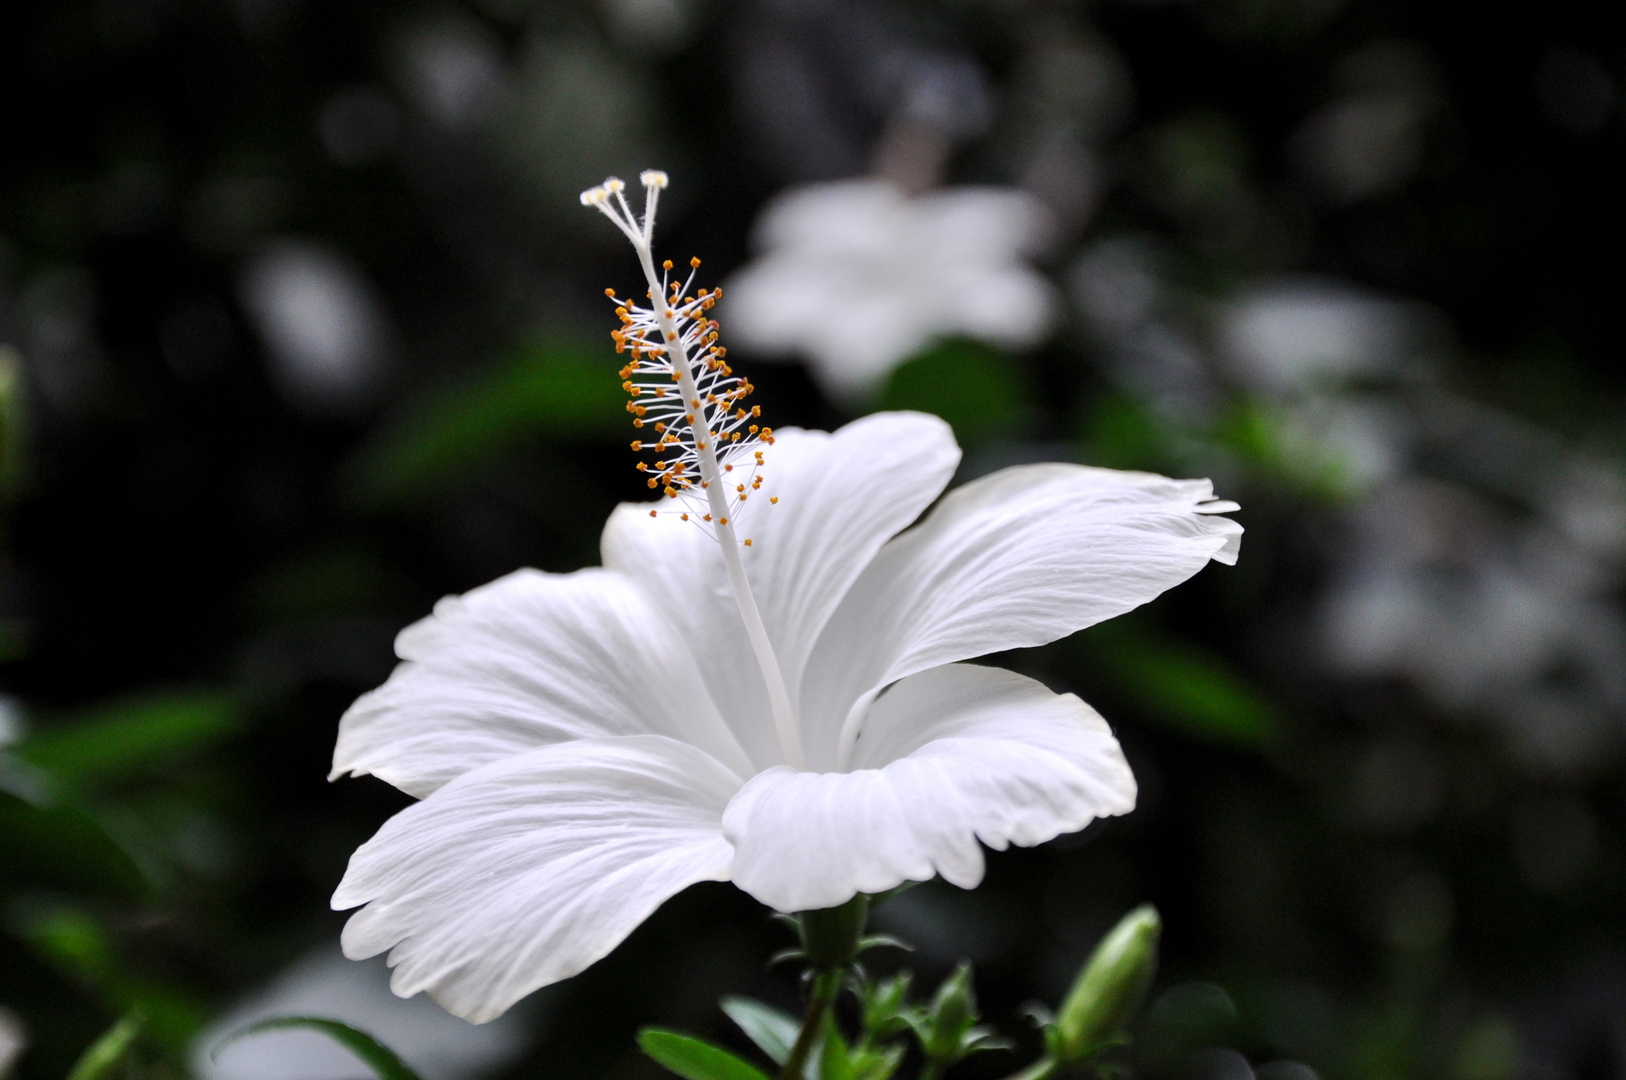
pixel 826 985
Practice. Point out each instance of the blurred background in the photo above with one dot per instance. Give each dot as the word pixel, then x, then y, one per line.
pixel 303 328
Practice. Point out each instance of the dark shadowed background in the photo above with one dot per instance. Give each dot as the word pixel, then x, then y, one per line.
pixel 304 329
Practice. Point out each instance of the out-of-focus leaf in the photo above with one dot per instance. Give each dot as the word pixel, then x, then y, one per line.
pixel 1184 1018
pixel 380 1058
pixel 544 389
pixel 321 581
pixel 119 738
pixel 11 421
pixel 1273 444
pixel 979 390
pixel 695 1059
pixel 773 1031
pixel 104 1055
pixel 71 939
pixel 61 847
pixel 1120 432
pixel 77 944
pixel 1181 685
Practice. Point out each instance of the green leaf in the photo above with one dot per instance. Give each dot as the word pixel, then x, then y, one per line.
pixel 103 1055
pixel 1181 685
pixel 979 390
pixel 773 1031
pixel 122 737
pixel 543 389
pixel 380 1058
pixel 63 848
pixel 695 1059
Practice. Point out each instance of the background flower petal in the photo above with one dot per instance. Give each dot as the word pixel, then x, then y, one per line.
pixel 951 756
pixel 525 871
pixel 841 497
pixel 1019 558
pixel 530 659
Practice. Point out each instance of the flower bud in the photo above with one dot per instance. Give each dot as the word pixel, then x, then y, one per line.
pixel 1110 988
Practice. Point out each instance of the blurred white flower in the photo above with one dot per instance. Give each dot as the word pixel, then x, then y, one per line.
pixel 453 69
pixel 324 984
pixel 586 745
pixel 1296 334
pixel 1488 617
pixel 13 1040
pixel 856 277
pixel 325 328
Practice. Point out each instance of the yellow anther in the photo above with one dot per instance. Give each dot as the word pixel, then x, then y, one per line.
pixel 722 521
pixel 748 543
pixel 683 517
pixel 667 265
pixel 728 468
pixel 652 482
pixel 773 498
pixel 708 516
pixel 637 444
pixel 695 262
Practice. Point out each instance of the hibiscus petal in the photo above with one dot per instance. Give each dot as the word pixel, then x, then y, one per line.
pixel 951 756
pixel 841 496
pixel 527 660
pixel 1020 558
pixel 527 870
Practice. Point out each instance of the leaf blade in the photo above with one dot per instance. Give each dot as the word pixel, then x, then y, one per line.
pixel 773 1032
pixel 695 1059
pixel 380 1058
pixel 101 1056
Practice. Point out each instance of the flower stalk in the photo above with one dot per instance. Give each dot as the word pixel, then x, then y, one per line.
pixel 831 940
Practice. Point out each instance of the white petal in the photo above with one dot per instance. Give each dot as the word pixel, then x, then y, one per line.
pixel 951 756
pixel 525 871
pixel 841 496
pixel 527 660
pixel 1020 558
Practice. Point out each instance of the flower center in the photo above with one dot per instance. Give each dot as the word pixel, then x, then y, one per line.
pixel 708 456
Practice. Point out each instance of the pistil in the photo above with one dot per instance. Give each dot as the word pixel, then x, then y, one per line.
pixel 705 440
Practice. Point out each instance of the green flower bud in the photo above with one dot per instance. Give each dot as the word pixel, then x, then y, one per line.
pixel 947 1028
pixel 1110 989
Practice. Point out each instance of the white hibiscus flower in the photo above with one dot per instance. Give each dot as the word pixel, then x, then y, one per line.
pixel 586 745
pixel 856 277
